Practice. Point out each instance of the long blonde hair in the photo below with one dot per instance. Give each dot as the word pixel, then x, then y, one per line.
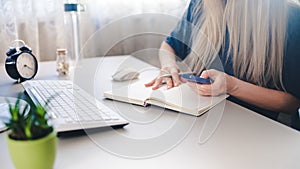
pixel 257 36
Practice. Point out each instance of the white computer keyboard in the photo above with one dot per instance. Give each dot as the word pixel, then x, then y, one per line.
pixel 73 108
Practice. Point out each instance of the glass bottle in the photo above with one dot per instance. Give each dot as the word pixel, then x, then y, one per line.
pixel 62 62
pixel 72 10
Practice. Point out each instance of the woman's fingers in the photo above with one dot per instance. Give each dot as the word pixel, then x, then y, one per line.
pixel 182 80
pixel 175 79
pixel 171 82
pixel 157 83
pixel 150 83
pixel 204 90
pixel 175 76
pixel 205 74
pixel 218 87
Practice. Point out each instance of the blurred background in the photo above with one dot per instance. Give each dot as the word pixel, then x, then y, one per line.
pixel 41 24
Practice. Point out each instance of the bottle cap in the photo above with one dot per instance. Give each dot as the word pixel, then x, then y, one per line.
pixel 62 51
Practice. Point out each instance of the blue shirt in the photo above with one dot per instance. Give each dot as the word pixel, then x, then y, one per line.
pixel 180 39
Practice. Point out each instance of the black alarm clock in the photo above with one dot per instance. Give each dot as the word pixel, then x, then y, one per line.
pixel 21 64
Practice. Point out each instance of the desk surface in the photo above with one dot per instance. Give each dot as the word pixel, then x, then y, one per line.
pixel 228 136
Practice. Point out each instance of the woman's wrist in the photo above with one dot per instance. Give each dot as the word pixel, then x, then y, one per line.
pixel 169 66
pixel 231 85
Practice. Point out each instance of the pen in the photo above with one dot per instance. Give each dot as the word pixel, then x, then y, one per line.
pixel 183 73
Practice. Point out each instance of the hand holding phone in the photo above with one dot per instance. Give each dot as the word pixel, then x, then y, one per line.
pixel 196 79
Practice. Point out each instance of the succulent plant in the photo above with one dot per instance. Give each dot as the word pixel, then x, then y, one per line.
pixel 28 122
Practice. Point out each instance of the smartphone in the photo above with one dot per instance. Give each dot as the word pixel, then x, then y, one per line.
pixel 195 79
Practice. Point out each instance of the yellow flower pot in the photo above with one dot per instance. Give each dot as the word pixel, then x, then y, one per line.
pixel 33 154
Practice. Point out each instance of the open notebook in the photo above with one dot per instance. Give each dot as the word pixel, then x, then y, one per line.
pixel 182 98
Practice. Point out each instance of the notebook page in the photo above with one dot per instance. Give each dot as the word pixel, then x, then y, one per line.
pixel 135 93
pixel 186 98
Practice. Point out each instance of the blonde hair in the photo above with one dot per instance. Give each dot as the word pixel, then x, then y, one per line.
pixel 256 32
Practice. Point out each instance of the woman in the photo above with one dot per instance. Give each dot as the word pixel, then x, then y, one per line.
pixel 257 42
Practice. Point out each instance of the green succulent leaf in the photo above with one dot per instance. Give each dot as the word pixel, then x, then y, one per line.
pixel 27 129
pixel 28 122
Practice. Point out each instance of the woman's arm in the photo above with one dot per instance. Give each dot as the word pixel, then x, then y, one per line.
pixel 167 56
pixel 274 100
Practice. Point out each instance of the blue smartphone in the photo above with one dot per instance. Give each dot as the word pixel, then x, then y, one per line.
pixel 195 79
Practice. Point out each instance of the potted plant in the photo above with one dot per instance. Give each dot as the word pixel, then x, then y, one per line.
pixel 31 140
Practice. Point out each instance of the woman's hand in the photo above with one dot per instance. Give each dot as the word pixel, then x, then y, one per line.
pixel 173 81
pixel 222 84
pixel 269 99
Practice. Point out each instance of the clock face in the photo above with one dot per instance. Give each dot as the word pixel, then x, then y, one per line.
pixel 26 65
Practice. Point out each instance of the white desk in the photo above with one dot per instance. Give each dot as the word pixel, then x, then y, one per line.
pixel 243 138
